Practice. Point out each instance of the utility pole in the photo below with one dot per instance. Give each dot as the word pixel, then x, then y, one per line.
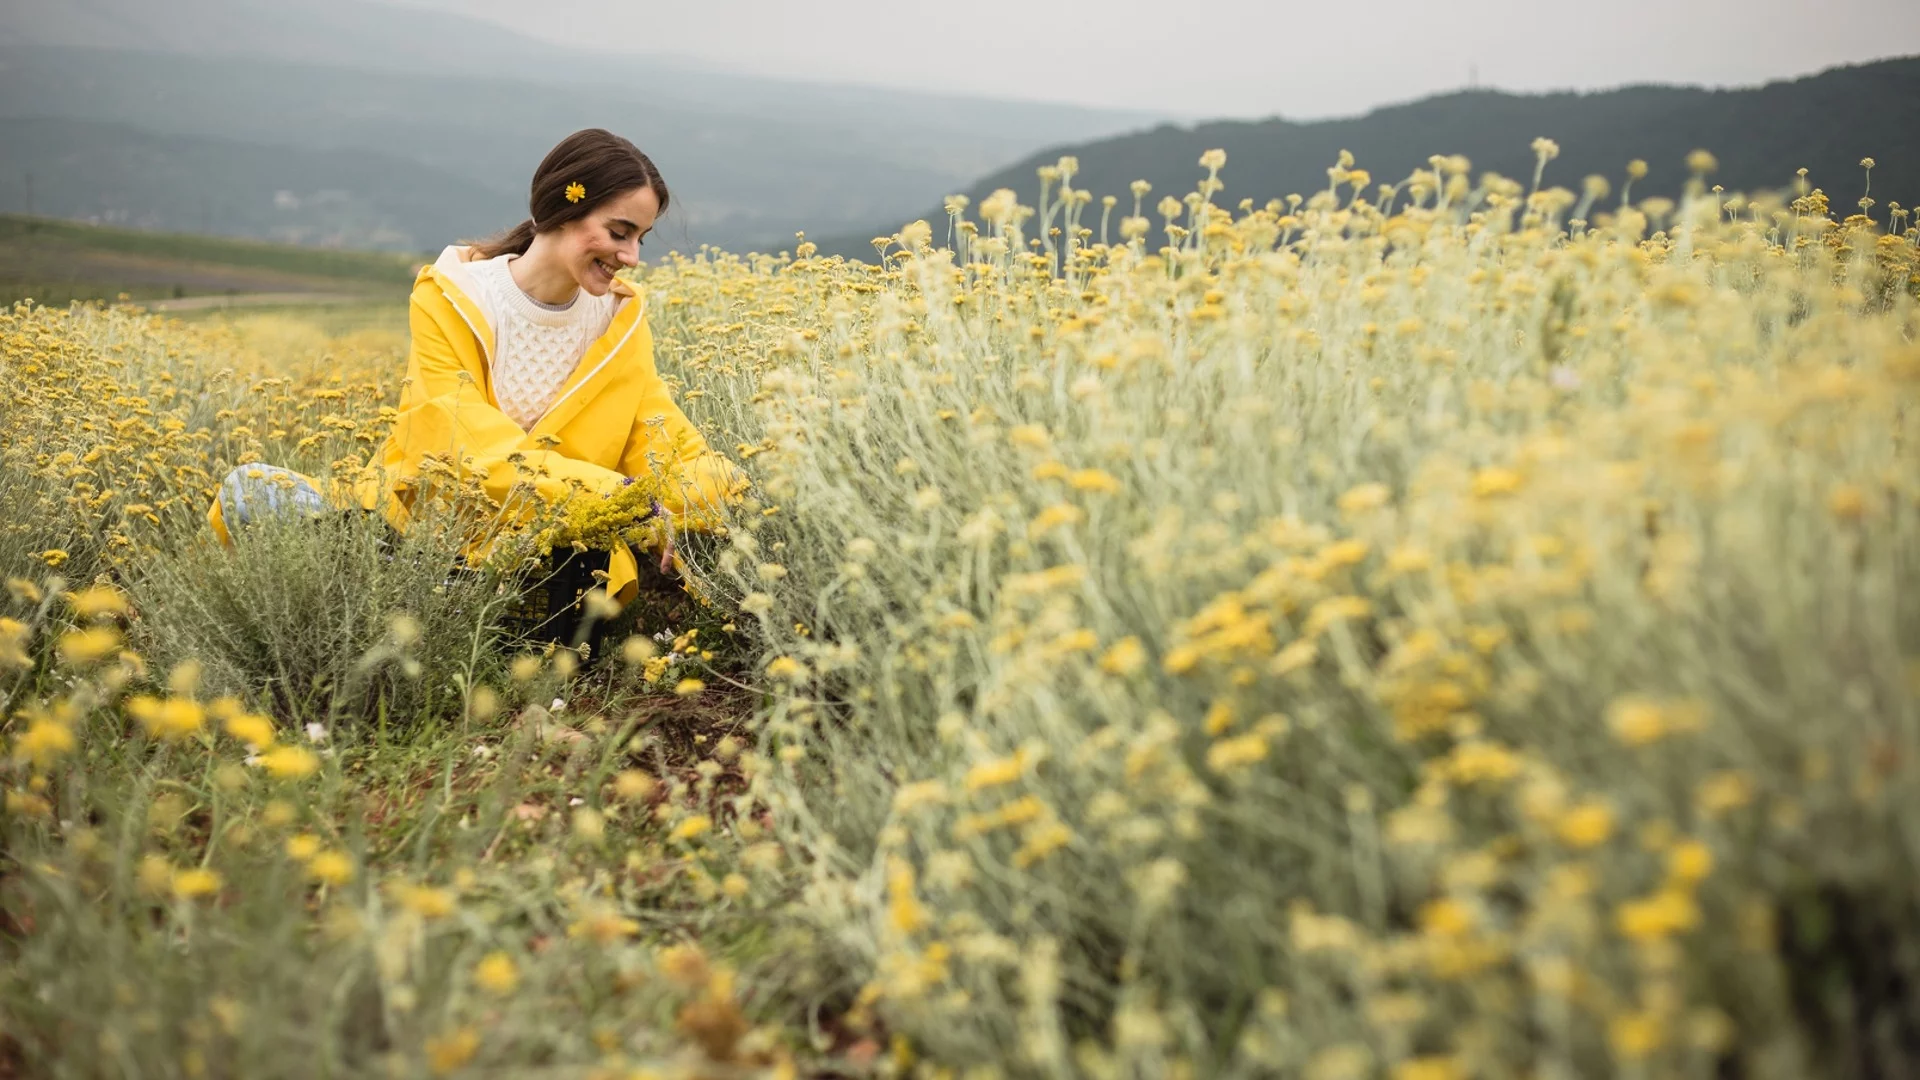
pixel 29 192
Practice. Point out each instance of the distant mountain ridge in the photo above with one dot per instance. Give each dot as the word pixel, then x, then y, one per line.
pixel 1825 122
pixel 750 160
pixel 261 192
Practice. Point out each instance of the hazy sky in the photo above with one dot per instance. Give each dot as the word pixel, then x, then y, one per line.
pixel 1234 57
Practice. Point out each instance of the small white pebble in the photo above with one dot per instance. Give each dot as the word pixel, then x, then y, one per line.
pixel 557 705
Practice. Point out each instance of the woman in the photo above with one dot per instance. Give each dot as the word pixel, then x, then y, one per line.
pixel 531 361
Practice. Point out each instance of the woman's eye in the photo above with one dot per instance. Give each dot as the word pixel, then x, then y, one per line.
pixel 618 237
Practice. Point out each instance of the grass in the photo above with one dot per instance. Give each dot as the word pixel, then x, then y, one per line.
pixel 56 262
pixel 346 318
pixel 1450 630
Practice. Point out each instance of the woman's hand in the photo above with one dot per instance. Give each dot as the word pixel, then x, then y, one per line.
pixel 666 541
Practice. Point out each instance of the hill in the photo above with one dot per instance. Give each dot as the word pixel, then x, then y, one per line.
pixel 1826 122
pixel 123 175
pixel 750 159
pixel 54 262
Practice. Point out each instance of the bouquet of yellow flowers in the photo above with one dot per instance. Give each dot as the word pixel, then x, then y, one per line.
pixel 630 514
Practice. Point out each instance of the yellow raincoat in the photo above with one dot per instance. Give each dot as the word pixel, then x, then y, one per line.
pixel 613 418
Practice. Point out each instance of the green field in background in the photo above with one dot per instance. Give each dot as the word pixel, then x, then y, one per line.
pixel 57 262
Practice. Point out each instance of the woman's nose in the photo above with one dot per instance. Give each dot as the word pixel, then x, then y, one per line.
pixel 630 254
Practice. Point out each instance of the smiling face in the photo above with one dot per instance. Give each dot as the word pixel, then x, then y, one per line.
pixel 595 247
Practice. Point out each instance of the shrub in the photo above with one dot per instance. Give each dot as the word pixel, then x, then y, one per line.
pixel 335 620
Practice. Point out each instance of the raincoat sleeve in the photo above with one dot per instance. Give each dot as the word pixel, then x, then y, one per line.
pixel 665 443
pixel 445 413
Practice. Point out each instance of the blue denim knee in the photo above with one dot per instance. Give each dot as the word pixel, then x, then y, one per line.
pixel 254 492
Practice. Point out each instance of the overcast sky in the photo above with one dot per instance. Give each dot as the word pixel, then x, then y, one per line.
pixel 1240 58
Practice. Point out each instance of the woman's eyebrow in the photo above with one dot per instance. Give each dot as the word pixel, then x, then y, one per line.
pixel 631 227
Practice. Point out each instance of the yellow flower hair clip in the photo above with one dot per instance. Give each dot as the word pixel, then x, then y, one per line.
pixel 576 192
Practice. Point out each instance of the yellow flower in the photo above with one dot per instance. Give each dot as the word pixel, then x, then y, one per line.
pixel 576 191
pixel 448 1053
pixel 1295 656
pixel 1637 721
pixel 330 868
pixel 425 901
pixel 688 687
pixel 173 718
pixel 44 741
pixel 685 966
pixel 250 728
pixel 1493 482
pixel 1230 755
pixel 589 824
pixel 905 913
pixel 1030 436
pixel 14 636
pixel 1408 559
pixel 1848 502
pixel 496 973
pixel 693 826
pixel 603 925
pixel 1665 913
pixel 1042 840
pixel 1446 918
pixel 632 784
pixel 86 646
pixel 996 772
pixel 1095 480
pixel 1478 761
pixel 1335 609
pixel 911 797
pixel 1689 862
pixel 786 667
pixel 290 762
pixel 1054 517
pixel 188 884
pixel 1635 1035
pixel 98 600
pixel 303 847
pixel 1363 498
pixel 27 804
pixel 1584 826
pixel 1344 553
pixel 1428 1068
pixel 1124 657
pixel 1723 791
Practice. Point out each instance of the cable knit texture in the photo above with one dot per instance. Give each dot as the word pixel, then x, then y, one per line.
pixel 536 345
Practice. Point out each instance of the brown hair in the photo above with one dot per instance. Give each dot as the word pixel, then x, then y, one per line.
pixel 603 163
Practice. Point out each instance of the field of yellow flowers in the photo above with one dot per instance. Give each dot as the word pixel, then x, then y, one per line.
pixel 1454 628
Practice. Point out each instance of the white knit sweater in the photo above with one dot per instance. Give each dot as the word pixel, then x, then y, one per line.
pixel 535 345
